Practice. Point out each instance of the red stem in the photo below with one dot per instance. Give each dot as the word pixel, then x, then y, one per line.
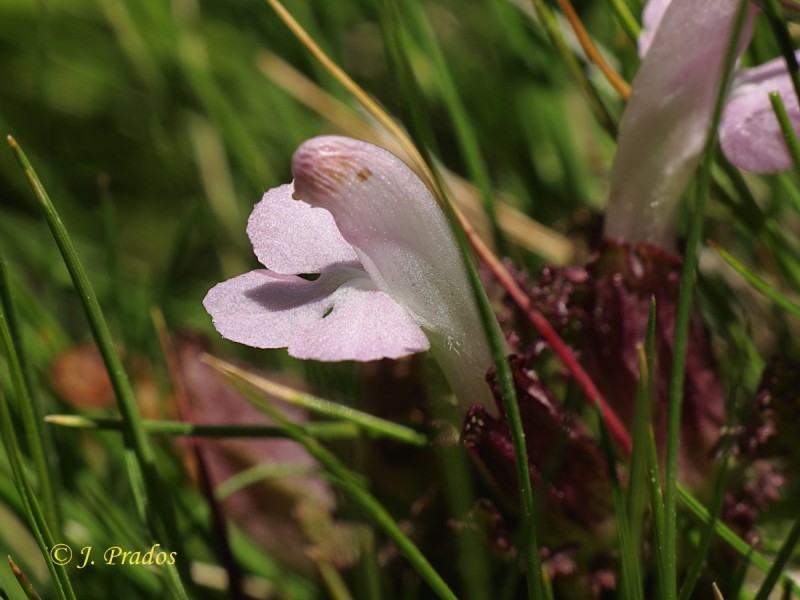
pixel 615 427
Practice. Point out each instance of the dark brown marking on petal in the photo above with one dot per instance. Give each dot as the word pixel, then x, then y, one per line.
pixel 364 174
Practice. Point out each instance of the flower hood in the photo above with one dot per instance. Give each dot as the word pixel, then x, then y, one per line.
pixel 391 278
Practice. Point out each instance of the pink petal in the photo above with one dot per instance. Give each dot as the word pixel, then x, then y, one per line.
pixel 749 133
pixel 651 18
pixel 666 122
pixel 290 237
pixel 337 317
pixel 405 244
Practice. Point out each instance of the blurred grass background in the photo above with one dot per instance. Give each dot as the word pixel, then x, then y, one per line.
pixel 155 129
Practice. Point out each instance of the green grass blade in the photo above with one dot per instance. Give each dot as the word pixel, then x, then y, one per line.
pixel 631 579
pixel 145 481
pixel 261 472
pixel 465 133
pixel 784 39
pixel 548 21
pixel 758 283
pixel 12 345
pixel 643 414
pixel 420 125
pixel 459 491
pixel 684 313
pixel 781 560
pixel 789 134
pixel 701 552
pixel 334 430
pixel 626 19
pixel 366 422
pixel 731 538
pixel 30 503
pixel 659 519
pixel 24 582
pixel 351 484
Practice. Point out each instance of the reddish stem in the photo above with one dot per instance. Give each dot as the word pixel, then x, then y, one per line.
pixel 615 427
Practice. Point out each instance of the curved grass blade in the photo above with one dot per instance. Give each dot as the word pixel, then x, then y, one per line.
pixel 732 539
pixel 352 485
pixel 145 482
pixel 781 560
pixel 631 579
pixel 789 134
pixel 614 79
pixel 30 503
pixel 548 21
pixel 626 19
pixel 642 423
pixel 12 344
pixel 364 421
pixel 261 472
pixel 701 552
pixel 684 312
pixel 758 283
pixel 335 430
pixel 497 344
pixel 784 39
pixel 465 134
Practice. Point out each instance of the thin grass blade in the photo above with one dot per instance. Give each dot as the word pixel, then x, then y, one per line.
pixel 758 283
pixel 789 134
pixel 421 127
pixel 145 482
pixel 637 500
pixel 781 560
pixel 30 504
pixel 369 424
pixel 336 430
pixel 23 581
pixel 630 555
pixel 732 539
pixel 351 485
pixel 29 408
pixel 457 111
pixel 684 312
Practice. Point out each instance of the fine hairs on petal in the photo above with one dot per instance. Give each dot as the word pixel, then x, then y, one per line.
pixel 405 244
pixel 391 278
pixel 290 237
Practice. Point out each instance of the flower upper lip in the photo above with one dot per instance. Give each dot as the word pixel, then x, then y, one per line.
pixel 392 280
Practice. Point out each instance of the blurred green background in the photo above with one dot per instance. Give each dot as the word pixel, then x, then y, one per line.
pixel 156 125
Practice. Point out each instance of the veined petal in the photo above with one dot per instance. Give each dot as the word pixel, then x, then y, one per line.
pixel 666 122
pixel 749 133
pixel 290 237
pixel 340 316
pixel 403 240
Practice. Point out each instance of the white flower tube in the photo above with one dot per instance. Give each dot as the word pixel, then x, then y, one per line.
pixel 404 242
pixel 667 120
pixel 391 281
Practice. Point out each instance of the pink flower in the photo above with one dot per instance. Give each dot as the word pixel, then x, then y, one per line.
pixel 666 122
pixel 391 281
